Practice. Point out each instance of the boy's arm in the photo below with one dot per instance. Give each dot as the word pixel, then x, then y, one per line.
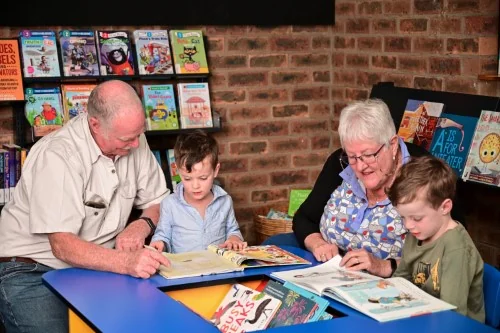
pixel 164 228
pixel 455 279
pixel 232 227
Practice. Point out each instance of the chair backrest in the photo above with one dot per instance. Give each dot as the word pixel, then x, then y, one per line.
pixel 282 239
pixel 491 288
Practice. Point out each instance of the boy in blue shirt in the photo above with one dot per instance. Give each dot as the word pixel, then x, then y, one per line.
pixel 199 213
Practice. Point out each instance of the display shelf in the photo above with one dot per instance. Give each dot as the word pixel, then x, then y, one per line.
pixel 488 77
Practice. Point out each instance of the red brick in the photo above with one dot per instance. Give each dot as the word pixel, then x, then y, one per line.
pixel 344 9
pixel 247 79
pixel 321 42
pixel 399 79
pixel 357 61
pixel 228 96
pixel 338 59
pixel 368 79
pixel 384 62
pixel 488 46
pixel 344 42
pixel 225 30
pixel 413 25
pixel 471 66
pixel 250 113
pixel 274 128
pixel 299 110
pixel 289 177
pixel 290 44
pixel 321 76
pixel 247 44
pixel 359 25
pixel 277 60
pixel 215 44
pixel 337 93
pixel 460 85
pixel 481 25
pixel 233 165
pixel 313 159
pixel 270 162
pixel 427 6
pixel 370 8
pixel 384 25
pixel 244 214
pixel 344 77
pixel 240 198
pixel 397 44
pixel 320 142
pixel 309 60
pixel 428 83
pixel 450 66
pixel 269 30
pixel 234 131
pixel 488 5
pixel 247 180
pixel 398 7
pixel 446 25
pixel 462 6
pixel 413 64
pixel 462 46
pixel 289 145
pixel 489 66
pixel 355 94
pixel 236 61
pixel 269 95
pixel 370 43
pixel 269 195
pixel 240 148
pixel 308 126
pixel 290 77
pixel 307 94
pixel 319 110
pixel 217 80
pixel 428 45
pixel 310 28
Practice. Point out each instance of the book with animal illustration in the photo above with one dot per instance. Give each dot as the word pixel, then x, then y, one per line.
pixel 75 98
pixel 44 109
pixel 483 161
pixel 244 310
pixel 452 139
pixel 188 50
pixel 216 260
pixel 153 52
pixel 114 53
pixel 159 104
pixel 380 299
pixel 39 53
pixel 419 122
pixel 175 177
pixel 78 53
pixel 194 105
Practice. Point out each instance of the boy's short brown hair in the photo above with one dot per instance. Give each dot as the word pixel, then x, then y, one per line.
pixel 191 148
pixel 428 172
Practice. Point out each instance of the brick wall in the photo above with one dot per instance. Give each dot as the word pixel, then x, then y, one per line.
pixel 280 90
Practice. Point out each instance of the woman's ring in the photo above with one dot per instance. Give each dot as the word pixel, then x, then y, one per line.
pixel 357 261
pixel 323 255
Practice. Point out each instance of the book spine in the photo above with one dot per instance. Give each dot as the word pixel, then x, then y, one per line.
pixel 6 173
pixel 2 179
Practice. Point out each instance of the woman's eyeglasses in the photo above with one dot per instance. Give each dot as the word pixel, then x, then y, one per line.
pixel 365 158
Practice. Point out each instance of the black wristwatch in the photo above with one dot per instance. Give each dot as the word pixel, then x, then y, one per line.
pixel 150 223
pixel 394 265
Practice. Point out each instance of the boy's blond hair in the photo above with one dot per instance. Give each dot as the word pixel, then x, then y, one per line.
pixel 425 172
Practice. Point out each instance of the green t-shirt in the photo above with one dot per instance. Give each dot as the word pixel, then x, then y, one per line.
pixel 449 268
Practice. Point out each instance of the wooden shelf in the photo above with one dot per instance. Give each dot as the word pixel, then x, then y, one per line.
pixel 489 77
pixel 182 130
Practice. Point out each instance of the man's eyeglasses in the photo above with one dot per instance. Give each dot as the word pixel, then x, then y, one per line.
pixel 366 158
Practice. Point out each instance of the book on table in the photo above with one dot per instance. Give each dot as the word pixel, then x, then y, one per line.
pixel 216 260
pixel 378 298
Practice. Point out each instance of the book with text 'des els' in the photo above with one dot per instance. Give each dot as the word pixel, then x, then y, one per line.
pixel 380 299
pixel 216 260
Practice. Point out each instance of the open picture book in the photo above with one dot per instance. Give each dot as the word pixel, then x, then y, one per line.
pixel 216 260
pixel 380 299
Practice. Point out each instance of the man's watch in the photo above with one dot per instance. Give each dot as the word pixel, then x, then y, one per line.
pixel 150 223
pixel 394 265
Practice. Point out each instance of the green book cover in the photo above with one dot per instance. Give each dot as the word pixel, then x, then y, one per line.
pixel 297 197
pixel 189 52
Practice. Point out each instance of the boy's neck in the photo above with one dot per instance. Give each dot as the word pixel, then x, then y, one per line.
pixel 448 224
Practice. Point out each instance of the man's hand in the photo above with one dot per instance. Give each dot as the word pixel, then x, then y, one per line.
pixel 133 236
pixel 234 243
pixel 145 262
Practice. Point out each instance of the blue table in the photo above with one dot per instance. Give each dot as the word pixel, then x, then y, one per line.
pixel 118 303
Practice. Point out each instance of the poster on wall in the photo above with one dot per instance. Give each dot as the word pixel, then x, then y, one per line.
pixel 11 81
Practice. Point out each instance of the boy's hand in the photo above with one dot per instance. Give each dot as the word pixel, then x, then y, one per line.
pixel 158 245
pixel 234 243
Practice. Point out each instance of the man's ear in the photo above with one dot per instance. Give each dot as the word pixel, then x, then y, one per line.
pixel 446 206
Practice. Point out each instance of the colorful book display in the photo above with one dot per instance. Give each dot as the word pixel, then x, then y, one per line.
pixel 39 53
pixel 75 98
pixel 78 53
pixel 115 53
pixel 11 80
pixel 419 122
pixel 194 104
pixel 153 52
pixel 159 104
pixel 44 109
pixel 452 139
pixel 172 167
pixel 188 50
pixel 483 162
pixel 297 197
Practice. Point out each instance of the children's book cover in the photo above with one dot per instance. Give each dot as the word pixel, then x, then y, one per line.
pixel 172 167
pixel 194 104
pixel 419 122
pixel 39 53
pixel 452 139
pixel 159 104
pixel 189 52
pixel 297 197
pixel 115 53
pixel 483 162
pixel 295 308
pixel 323 304
pixel 11 80
pixel 44 109
pixel 75 99
pixel 78 53
pixel 244 310
pixel 153 52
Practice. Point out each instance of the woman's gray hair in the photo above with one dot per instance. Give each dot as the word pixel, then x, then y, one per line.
pixel 366 120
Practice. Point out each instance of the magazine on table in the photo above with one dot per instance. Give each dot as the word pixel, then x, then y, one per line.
pixel 380 299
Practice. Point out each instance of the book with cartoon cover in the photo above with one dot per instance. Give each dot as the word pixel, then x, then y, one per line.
pixel 75 99
pixel 39 53
pixel 115 53
pixel 78 53
pixel 44 109
pixel 380 299
pixel 153 52
pixel 159 104
pixel 188 50
pixel 194 105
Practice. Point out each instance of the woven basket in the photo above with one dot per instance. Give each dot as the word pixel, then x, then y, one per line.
pixel 265 227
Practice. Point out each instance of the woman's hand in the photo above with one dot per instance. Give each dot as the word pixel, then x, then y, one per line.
pixel 321 249
pixel 360 259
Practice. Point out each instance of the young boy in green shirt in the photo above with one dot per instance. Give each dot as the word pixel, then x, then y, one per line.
pixel 438 255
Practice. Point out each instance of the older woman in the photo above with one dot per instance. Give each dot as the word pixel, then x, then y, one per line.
pixel 349 200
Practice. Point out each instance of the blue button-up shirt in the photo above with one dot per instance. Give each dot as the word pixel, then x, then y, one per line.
pixel 182 228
